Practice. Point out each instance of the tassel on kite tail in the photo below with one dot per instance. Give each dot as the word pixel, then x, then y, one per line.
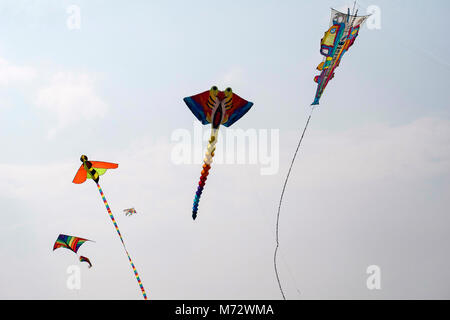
pixel 136 274
pixel 206 166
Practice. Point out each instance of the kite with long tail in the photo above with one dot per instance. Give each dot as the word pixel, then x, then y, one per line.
pixel 215 107
pixel 93 170
pixel 341 35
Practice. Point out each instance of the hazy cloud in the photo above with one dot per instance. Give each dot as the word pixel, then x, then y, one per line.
pixel 72 98
pixel 336 208
pixel 11 74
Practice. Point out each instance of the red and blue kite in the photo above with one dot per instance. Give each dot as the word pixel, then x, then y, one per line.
pixel 218 108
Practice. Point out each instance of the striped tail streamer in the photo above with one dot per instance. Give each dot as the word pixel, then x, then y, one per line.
pixel 136 274
pixel 206 166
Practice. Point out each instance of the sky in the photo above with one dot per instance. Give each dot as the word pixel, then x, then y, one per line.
pixel 370 186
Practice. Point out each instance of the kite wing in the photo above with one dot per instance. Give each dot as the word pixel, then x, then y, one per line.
pixel 104 165
pixel 202 106
pixel 344 28
pixel 69 242
pixel 84 259
pixel 99 166
pixel 81 176
pixel 199 106
pixel 235 110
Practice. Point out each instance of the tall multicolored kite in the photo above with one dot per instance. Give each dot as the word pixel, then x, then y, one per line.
pixel 218 108
pixel 344 28
pixel 93 170
pixel 341 35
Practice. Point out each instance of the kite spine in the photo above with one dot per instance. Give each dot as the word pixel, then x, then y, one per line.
pixel 136 274
pixel 206 167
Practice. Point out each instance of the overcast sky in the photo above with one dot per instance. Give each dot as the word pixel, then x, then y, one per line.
pixel 370 187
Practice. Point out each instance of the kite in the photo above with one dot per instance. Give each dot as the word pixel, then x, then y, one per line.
pixel 69 242
pixel 129 212
pixel 84 259
pixel 218 108
pixel 72 243
pixel 341 35
pixel 93 170
pixel 344 28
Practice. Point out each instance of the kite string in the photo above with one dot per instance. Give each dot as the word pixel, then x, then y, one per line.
pixel 281 200
pixel 136 274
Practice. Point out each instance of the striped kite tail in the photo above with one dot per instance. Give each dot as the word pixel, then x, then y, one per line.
pixel 136 274
pixel 206 166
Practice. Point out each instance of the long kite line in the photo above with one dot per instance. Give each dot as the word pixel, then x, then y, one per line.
pixel 136 274
pixel 281 201
pixel 93 170
pixel 341 35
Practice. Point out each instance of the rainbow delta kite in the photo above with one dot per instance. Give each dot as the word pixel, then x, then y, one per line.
pixel 71 243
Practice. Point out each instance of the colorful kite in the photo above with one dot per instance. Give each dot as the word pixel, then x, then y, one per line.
pixel 84 259
pixel 93 170
pixel 215 107
pixel 344 28
pixel 341 35
pixel 70 242
pixel 129 212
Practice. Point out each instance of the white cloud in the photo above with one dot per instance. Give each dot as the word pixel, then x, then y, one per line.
pixel 412 151
pixel 72 98
pixel 12 74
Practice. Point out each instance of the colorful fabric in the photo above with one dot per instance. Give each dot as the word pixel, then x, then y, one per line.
pixel 84 259
pixel 129 212
pixel 92 170
pixel 341 35
pixel 136 274
pixel 205 172
pixel 218 108
pixel 69 242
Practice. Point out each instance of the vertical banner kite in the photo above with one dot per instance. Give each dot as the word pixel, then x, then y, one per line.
pixel 93 170
pixel 341 35
pixel 215 107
